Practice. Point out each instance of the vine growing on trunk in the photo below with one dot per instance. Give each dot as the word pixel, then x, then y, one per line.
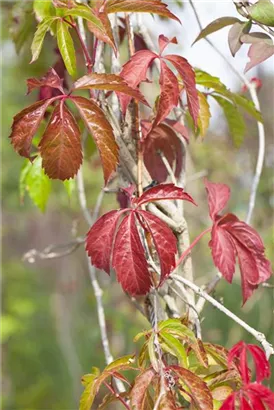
pixel 143 149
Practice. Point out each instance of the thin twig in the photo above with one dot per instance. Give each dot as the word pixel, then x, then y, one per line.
pixel 257 335
pixel 168 168
pixel 261 132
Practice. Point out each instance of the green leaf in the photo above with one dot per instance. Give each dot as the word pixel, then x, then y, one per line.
pixel 204 114
pixel 66 47
pixel 176 346
pixel 69 185
pixel 248 106
pixel 82 10
pixel 89 381
pixel 125 362
pixel 234 119
pixel 175 327
pixel 208 81
pixel 43 9
pixel 36 183
pixel 263 12
pixel 39 37
pixel 215 26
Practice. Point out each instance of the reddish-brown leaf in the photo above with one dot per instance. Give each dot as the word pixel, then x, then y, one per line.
pixel 129 259
pixel 102 133
pixel 51 79
pixel 217 197
pixel 161 139
pixel 25 125
pixel 187 74
pixel 148 6
pixel 164 42
pixel 163 191
pixel 231 237
pixel 104 32
pixel 135 71
pixel 258 393
pixel 100 239
pixel 168 402
pixel 138 394
pixel 60 145
pixel 164 241
pixel 110 82
pixel 258 53
pixel 198 390
pixel 169 96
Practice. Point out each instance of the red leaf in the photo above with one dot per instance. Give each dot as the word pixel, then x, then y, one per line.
pixel 100 239
pixel 169 93
pixel 258 53
pixel 188 76
pixel 199 392
pixel 163 191
pixel 164 241
pixel 262 393
pixel 129 259
pixel 51 79
pixel 148 6
pixel 162 138
pixel 135 71
pixel 110 82
pixel 164 42
pixel 138 393
pixel 244 405
pixel 102 133
pixel 261 364
pixel 60 145
pixel 217 197
pixel 25 124
pixel 178 127
pixel 223 252
pixel 229 403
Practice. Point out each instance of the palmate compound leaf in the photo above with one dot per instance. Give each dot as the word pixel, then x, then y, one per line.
pixel 197 389
pixel 60 145
pixel 101 131
pixel 252 396
pixel 118 244
pixel 162 139
pixel 230 238
pixel 25 124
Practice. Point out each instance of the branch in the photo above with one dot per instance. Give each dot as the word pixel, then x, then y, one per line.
pixel 51 251
pixel 261 132
pixel 260 337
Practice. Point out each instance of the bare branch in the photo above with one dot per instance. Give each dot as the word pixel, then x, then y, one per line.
pixel 260 337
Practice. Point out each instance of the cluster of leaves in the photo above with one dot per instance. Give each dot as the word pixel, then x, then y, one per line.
pixel 192 373
pixel 261 13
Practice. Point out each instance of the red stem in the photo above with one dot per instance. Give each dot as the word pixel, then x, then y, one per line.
pixel 111 389
pixel 187 251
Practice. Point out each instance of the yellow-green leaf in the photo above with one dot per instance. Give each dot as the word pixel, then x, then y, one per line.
pixel 204 114
pixel 66 46
pixel 39 37
pixel 177 348
pixel 263 12
pixel 34 181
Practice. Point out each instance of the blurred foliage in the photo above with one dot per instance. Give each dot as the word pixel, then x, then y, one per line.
pixel 50 334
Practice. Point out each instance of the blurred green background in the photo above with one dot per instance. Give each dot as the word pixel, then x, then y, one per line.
pixel 50 334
